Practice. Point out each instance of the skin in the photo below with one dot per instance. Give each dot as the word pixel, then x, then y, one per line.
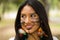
pixel 30 18
pixel 30 23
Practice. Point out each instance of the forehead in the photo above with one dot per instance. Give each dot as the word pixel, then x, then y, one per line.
pixel 27 9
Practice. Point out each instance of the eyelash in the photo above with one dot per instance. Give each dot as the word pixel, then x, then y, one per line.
pixel 32 16
pixel 23 16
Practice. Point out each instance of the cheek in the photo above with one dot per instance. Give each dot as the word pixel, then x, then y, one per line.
pixel 22 22
pixel 23 27
pixel 36 23
pixel 35 27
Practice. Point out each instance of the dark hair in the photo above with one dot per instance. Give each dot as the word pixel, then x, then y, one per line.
pixel 40 10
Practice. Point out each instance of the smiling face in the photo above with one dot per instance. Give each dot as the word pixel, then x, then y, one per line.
pixel 29 19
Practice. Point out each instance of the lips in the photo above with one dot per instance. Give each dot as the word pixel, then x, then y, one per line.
pixel 29 27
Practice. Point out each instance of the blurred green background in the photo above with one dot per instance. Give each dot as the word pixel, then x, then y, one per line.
pixel 8 11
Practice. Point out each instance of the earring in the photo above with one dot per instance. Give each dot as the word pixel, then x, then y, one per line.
pixel 22 32
pixel 41 33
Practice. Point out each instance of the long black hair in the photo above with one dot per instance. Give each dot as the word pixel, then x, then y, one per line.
pixel 40 10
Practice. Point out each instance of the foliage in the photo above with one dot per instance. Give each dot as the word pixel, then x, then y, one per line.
pixel 55 3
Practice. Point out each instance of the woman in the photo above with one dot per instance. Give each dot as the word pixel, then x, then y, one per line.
pixel 32 22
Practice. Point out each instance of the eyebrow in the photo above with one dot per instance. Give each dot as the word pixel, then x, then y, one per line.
pixel 32 13
pixel 29 13
pixel 23 14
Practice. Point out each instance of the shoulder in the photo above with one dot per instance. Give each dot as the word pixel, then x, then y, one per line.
pixel 55 38
pixel 12 38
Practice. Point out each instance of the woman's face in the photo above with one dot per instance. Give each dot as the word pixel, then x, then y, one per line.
pixel 29 19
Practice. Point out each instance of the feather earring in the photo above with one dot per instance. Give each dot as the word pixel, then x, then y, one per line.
pixel 41 33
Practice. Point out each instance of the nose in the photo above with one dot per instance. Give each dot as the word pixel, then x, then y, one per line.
pixel 27 20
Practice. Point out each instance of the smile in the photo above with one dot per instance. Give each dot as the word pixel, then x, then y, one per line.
pixel 29 27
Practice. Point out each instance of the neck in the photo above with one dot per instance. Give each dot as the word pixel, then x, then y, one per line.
pixel 33 36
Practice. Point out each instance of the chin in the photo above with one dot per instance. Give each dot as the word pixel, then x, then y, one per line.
pixel 31 31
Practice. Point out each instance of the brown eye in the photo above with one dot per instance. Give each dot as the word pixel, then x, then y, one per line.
pixel 33 15
pixel 23 16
